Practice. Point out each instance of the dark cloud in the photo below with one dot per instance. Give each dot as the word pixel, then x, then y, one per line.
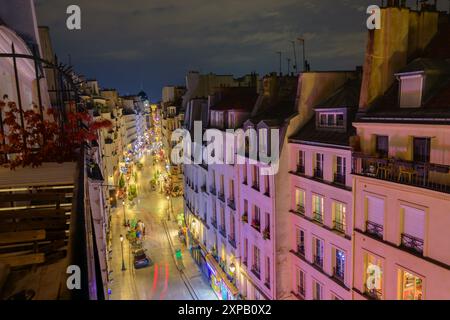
pixel 126 43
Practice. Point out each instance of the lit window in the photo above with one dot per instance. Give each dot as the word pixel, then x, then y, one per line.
pixel 317 292
pixel 411 91
pixel 411 286
pixel 373 276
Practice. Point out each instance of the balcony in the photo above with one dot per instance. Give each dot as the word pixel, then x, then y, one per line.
pixel 245 217
pixel 418 174
pixel 339 179
pixel 256 271
pixel 301 249
pixel 300 209
pixel 212 190
pixel 203 189
pixel 255 186
pixel 318 261
pixel 232 241
pixel 266 234
pixel 256 225
pixel 231 204
pixel 214 223
pixel 374 294
pixel 318 217
pixel 339 274
pixel 412 243
pixel 300 169
pixel 223 232
pixel 221 196
pixel 339 226
pixel 318 174
pixel 374 229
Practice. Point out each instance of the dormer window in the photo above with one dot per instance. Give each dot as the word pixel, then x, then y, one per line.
pixel 411 91
pixel 331 120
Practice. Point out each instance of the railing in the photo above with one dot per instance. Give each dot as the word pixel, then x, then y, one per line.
pixel 419 174
pixel 374 229
pixel 318 173
pixel 339 226
pixel 318 216
pixel 221 196
pixel 300 169
pixel 223 232
pixel 267 283
pixel 373 293
pixel 231 204
pixel 301 291
pixel 256 271
pixel 203 188
pixel 412 243
pixel 300 209
pixel 255 186
pixel 318 261
pixel 266 234
pixel 256 225
pixel 339 274
pixel 213 191
pixel 232 241
pixel 339 179
pixel 214 223
pixel 301 249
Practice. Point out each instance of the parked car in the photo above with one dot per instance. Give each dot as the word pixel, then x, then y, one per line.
pixel 141 260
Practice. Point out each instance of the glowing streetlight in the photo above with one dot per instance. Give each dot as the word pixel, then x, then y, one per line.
pixel 121 246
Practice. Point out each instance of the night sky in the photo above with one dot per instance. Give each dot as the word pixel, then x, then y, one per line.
pixel 126 44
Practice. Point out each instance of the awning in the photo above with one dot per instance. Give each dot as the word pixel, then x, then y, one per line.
pixel 221 274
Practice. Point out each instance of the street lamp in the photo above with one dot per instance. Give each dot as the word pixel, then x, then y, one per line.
pixel 232 268
pixel 121 246
pixel 124 214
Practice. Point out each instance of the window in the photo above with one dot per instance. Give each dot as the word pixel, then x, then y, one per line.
pixel 222 185
pixel 318 252
pixel 373 276
pixel 339 264
pixel 382 146
pixel 331 120
pixel 421 152
pixel 246 206
pixel 318 208
pixel 300 282
pixel 317 290
pixel 245 251
pixel 256 223
pixel 411 287
pixel 375 216
pixel 231 190
pixel 222 218
pixel 267 226
pixel 341 168
pixel 301 162
pixel 318 171
pixel 413 228
pixel 300 201
pixel 267 272
pixel 232 228
pixel 411 91
pixel 232 120
pixel 339 210
pixel 300 241
pixel 267 185
pixel 256 257
pixel 256 177
pixel 214 213
pixel 244 173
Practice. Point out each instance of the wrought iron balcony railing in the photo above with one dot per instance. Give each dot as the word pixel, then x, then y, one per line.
pixel 419 174
pixel 412 243
pixel 318 261
pixel 318 173
pixel 300 169
pixel 374 229
pixel 231 204
pixel 256 271
pixel 221 196
pixel 373 293
pixel 339 178
pixel 318 216
pixel 300 209
pixel 339 226
pixel 339 274
pixel 223 231
pixel 301 249
pixel 212 190
pixel 232 240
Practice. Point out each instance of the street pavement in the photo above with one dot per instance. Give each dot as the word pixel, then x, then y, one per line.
pixel 163 280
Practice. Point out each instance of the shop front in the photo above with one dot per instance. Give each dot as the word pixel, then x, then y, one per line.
pixel 222 286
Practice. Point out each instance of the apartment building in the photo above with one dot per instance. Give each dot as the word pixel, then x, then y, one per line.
pixel 401 166
pixel 321 201
pixel 211 195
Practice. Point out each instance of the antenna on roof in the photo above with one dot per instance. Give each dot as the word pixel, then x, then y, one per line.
pixel 295 57
pixel 289 65
pixel 280 54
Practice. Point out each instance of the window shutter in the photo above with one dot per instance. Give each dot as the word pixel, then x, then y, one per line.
pixel 375 210
pixel 413 222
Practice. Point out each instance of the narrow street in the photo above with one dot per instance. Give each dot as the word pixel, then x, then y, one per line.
pixel 163 280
